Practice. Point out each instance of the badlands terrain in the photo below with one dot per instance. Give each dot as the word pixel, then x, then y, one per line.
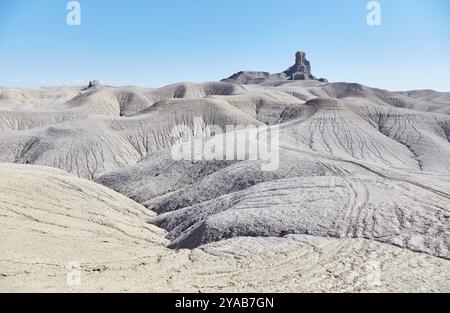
pixel 360 201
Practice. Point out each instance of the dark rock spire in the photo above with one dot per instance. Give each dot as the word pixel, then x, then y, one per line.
pixel 301 70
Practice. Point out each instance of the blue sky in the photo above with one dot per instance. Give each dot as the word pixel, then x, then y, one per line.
pixel 158 42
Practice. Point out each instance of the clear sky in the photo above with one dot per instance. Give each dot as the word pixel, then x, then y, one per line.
pixel 158 42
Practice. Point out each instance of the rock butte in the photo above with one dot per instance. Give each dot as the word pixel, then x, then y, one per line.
pixel 88 176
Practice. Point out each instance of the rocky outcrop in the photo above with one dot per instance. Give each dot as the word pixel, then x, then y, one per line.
pixel 301 70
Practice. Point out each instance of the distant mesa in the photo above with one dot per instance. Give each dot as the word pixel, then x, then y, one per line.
pixel 301 70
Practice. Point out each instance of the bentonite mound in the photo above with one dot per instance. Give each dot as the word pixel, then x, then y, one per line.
pixel 362 179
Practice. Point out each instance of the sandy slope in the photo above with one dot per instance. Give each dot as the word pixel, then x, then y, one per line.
pixel 49 218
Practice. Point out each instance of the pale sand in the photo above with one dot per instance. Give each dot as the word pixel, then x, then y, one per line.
pixel 49 218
